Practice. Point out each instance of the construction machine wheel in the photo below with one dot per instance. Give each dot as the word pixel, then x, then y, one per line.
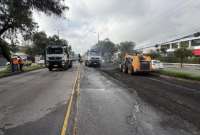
pixel 121 68
pixel 130 70
pixel 124 69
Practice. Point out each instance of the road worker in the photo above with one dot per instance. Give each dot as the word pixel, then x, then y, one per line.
pixel 14 63
pixel 20 63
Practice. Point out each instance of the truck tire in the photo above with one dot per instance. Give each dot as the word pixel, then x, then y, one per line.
pixel 130 70
pixel 65 67
pixel 124 69
pixel 70 64
pixel 121 70
pixel 50 68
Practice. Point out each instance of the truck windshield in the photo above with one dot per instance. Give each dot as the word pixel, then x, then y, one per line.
pixel 54 51
pixel 93 53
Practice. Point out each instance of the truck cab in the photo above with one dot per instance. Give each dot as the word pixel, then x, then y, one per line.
pixel 57 56
pixel 93 58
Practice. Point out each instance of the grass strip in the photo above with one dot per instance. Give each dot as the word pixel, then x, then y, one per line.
pixel 7 71
pixel 179 75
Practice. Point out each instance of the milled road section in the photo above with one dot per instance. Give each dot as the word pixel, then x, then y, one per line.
pixel 34 103
pixel 113 103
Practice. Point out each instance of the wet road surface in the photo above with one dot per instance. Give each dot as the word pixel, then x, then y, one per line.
pixel 34 103
pixel 112 103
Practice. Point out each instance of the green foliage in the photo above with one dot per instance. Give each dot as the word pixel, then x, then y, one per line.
pixel 126 47
pixel 182 53
pixel 163 50
pixel 180 75
pixel 154 54
pixel 5 50
pixel 16 15
pixel 29 50
pixel 55 40
pixel 40 41
pixel 107 48
pixel 184 44
pixel 7 72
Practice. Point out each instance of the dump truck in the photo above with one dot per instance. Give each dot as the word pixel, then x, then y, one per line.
pixel 134 63
pixel 57 56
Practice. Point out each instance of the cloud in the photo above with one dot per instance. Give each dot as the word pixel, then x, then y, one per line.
pixel 143 21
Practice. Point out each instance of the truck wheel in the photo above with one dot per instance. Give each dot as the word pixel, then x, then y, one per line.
pixel 50 69
pixel 121 68
pixel 65 67
pixel 124 69
pixel 130 70
pixel 70 65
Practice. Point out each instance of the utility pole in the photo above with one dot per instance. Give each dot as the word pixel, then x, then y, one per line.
pixel 98 38
pixel 58 33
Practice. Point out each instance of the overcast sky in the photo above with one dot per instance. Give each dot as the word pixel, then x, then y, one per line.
pixel 142 21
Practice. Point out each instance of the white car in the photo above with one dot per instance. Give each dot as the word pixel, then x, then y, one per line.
pixel 156 65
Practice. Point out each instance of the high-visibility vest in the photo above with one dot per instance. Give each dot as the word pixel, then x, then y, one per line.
pixel 15 61
pixel 20 61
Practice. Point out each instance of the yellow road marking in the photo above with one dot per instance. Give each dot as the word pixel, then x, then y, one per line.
pixel 77 102
pixel 69 107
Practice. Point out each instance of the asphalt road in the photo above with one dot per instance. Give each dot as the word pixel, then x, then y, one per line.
pixel 110 103
pixel 113 103
pixel 34 103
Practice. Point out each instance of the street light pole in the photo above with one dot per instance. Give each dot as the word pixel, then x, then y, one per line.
pixel 98 38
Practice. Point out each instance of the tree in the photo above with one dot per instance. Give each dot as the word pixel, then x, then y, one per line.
pixel 55 40
pixel 106 48
pixel 5 50
pixel 163 50
pixel 13 46
pixel 154 54
pixel 16 15
pixel 182 53
pixel 40 41
pixel 125 47
pixel 29 50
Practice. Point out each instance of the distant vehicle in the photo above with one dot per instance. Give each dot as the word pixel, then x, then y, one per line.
pixel 156 65
pixel 93 58
pixel 41 62
pixel 57 56
pixel 136 63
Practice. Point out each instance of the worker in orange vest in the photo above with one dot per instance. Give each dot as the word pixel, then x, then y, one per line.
pixel 14 63
pixel 20 63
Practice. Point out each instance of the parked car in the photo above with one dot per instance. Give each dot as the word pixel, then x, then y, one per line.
pixel 156 65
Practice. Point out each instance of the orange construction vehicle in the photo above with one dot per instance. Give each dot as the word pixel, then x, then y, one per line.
pixel 136 63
